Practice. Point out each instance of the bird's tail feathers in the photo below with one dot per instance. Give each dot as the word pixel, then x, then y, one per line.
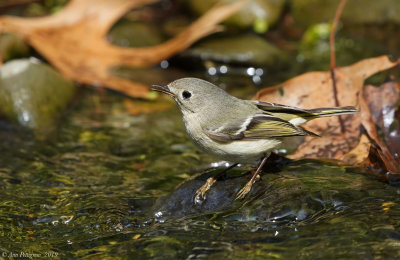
pixel 334 111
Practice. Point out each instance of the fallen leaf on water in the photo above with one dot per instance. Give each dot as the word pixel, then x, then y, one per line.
pixel 74 40
pixel 314 89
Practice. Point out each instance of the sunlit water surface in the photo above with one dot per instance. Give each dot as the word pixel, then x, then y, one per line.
pixel 93 190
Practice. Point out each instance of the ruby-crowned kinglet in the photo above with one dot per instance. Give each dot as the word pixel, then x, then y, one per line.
pixel 236 130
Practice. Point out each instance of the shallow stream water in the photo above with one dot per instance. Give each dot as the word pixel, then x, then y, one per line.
pixel 108 183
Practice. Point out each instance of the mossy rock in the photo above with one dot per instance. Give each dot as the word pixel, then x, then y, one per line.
pixel 33 94
pixel 259 14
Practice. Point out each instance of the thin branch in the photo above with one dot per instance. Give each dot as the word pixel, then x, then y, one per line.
pixel 333 32
pixel 333 57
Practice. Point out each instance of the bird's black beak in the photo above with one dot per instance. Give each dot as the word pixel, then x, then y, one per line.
pixel 163 89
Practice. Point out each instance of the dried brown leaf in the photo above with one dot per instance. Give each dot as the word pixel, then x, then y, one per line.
pixel 314 89
pixel 74 40
pixel 359 154
pixel 383 102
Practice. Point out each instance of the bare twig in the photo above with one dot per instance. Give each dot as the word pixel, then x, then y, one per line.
pixel 333 57
pixel 333 32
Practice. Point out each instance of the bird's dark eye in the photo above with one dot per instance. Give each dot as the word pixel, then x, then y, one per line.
pixel 186 94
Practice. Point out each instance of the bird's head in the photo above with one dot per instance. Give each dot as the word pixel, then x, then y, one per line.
pixel 193 94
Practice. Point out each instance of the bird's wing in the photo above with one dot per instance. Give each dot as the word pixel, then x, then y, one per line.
pixel 289 113
pixel 282 111
pixel 259 126
pixel 268 106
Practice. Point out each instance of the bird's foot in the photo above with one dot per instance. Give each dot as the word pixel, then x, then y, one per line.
pixel 200 194
pixel 246 189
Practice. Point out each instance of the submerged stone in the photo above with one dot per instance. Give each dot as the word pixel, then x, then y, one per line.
pixel 259 14
pixel 286 191
pixel 33 94
pixel 243 49
pixel 221 196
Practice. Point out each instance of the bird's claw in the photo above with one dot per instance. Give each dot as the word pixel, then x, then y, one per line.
pixel 246 189
pixel 243 192
pixel 200 194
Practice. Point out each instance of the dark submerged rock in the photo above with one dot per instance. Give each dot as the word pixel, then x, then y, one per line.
pixel 287 191
pixel 222 194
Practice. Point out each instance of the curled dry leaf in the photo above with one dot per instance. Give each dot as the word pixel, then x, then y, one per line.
pixel 314 89
pixel 383 102
pixel 74 40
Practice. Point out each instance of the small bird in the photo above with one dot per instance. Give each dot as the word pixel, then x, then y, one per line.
pixel 236 130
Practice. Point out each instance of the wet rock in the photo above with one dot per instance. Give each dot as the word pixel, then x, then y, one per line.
pixel 259 14
pixel 12 46
pixel 242 49
pixel 220 197
pixel 355 12
pixel 135 34
pixel 296 191
pixel 33 94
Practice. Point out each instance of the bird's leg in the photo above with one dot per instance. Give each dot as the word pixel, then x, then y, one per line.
pixel 201 192
pixel 246 189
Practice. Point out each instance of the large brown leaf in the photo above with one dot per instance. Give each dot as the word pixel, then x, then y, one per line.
pixel 315 89
pixel 74 40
